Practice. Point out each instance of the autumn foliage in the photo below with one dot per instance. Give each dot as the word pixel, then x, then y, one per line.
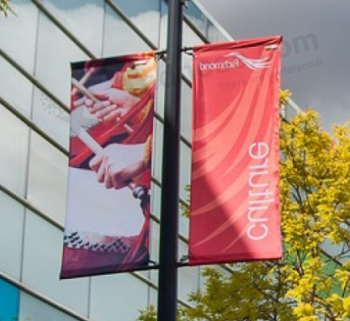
pixel 312 282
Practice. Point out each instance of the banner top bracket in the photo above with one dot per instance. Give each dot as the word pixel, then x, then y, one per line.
pixel 162 53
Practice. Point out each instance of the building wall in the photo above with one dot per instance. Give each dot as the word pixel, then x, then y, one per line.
pixel 37 46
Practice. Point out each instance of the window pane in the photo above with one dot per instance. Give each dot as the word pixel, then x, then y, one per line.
pixel 84 18
pixel 188 276
pixel 155 200
pixel 41 265
pixel 144 14
pixel 13 84
pixel 36 310
pixel 202 279
pixel 55 51
pixel 14 149
pixel 9 301
pixel 119 38
pixel 163 25
pixel 20 30
pixel 11 231
pixel 155 235
pixel 204 25
pixel 47 182
pixel 157 150
pixel 183 249
pixel 214 35
pixel 160 92
pixel 183 224
pixel 185 170
pixel 153 297
pixel 126 296
pixel 188 281
pixel 189 39
pixel 186 111
pixel 196 16
pixel 187 66
pixel 50 117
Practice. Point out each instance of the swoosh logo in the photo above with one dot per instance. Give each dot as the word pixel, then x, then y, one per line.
pixel 253 64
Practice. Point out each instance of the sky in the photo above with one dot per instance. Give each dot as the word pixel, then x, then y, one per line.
pixel 315 33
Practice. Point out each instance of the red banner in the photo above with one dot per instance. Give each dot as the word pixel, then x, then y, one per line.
pixel 107 223
pixel 234 213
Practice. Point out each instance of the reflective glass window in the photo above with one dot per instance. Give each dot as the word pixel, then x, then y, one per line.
pixel 188 281
pixel 9 301
pixel 119 38
pixel 163 25
pixel 144 14
pixel 188 276
pixel 182 249
pixel 187 65
pixel 20 30
pixel 83 18
pixel 11 231
pixel 184 150
pixel 157 150
pixel 55 52
pixel 154 232
pixel 183 223
pixel 186 111
pixel 203 24
pixel 185 170
pixel 34 309
pixel 160 92
pixel 196 16
pixel 117 297
pixel 15 88
pixel 153 297
pixel 213 34
pixel 202 280
pixel 14 149
pixel 50 117
pixel 155 235
pixel 47 178
pixel 189 39
pixel 144 273
pixel 43 245
pixel 155 200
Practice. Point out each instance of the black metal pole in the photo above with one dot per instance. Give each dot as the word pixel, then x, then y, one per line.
pixel 167 282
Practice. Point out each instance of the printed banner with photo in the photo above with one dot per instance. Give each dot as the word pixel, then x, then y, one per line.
pixel 235 213
pixel 108 204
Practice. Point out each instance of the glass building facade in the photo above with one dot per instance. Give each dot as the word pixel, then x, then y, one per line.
pixel 37 46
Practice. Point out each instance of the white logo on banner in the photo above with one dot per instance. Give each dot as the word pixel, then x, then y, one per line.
pixel 251 63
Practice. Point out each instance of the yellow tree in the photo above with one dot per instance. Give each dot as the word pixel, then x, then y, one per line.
pixel 5 7
pixel 312 282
